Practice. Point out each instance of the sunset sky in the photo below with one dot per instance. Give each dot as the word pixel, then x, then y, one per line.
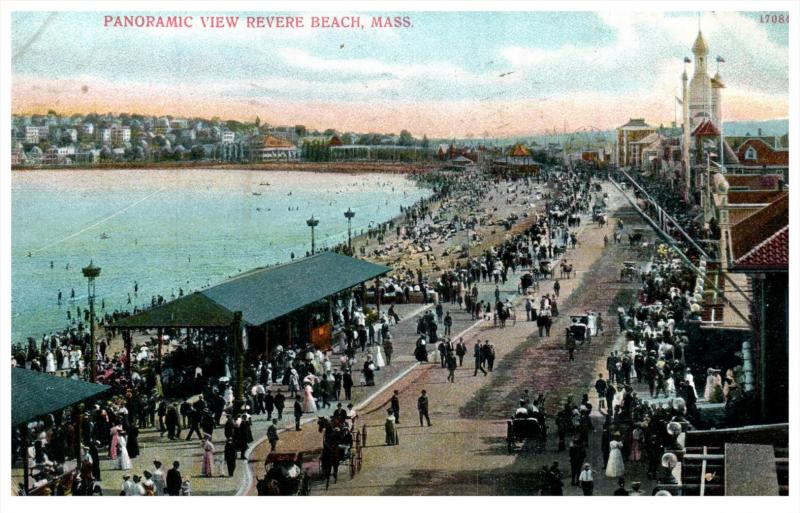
pixel 448 75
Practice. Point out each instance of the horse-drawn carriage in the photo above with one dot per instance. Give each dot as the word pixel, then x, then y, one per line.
pixel 629 271
pixel 567 270
pixel 636 237
pixel 599 215
pixel 284 475
pixel 528 430
pixel 581 329
pixel 546 269
pixel 341 442
pixel 527 282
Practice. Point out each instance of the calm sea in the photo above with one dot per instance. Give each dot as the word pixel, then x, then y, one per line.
pixel 172 229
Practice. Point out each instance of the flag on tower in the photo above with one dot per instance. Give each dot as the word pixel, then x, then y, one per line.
pixel 720 59
pixel 686 60
pixel 680 102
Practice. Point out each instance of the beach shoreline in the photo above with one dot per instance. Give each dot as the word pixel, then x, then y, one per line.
pixel 314 167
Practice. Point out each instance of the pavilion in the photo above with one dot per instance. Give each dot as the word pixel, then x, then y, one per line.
pixel 36 394
pixel 288 303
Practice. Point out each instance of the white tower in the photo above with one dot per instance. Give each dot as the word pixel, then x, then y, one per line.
pixel 701 104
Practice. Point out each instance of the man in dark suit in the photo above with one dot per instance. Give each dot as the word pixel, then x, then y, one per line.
pixel 422 406
pixel 478 354
pixel 577 455
pixel 280 400
pixel 194 422
pixel 298 413
pixel 172 424
pixel 395 406
pixel 174 479
pixel 347 383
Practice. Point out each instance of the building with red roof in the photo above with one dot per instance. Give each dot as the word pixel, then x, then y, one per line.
pixel 759 247
pixel 755 155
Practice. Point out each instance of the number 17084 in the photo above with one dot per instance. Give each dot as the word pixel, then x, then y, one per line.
pixel 773 18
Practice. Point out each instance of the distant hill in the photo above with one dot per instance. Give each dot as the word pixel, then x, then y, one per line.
pixel 769 127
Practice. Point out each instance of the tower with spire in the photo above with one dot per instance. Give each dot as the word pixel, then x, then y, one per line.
pixel 704 95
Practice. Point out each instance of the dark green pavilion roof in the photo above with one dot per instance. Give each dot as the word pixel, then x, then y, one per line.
pixel 34 394
pixel 262 295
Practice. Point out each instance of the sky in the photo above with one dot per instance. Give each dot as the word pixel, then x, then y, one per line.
pixel 449 74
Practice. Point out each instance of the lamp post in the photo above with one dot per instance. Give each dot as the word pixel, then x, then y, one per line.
pixel 90 272
pixel 311 224
pixel 350 215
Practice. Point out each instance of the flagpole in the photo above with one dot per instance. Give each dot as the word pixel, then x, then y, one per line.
pixel 721 123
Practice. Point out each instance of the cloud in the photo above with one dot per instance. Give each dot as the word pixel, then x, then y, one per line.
pixel 516 89
pixel 646 43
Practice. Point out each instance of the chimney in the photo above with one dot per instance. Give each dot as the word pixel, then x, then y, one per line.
pixel 780 184
pixel 759 132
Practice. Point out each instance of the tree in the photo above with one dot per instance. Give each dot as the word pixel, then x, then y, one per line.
pixel 329 132
pixel 425 142
pixel 198 152
pixel 300 130
pixel 258 121
pixel 406 139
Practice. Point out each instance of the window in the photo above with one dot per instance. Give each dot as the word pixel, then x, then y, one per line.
pixel 751 154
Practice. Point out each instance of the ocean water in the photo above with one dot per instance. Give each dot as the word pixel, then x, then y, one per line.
pixel 172 229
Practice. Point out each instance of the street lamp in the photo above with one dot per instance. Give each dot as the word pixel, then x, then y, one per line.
pixel 311 224
pixel 349 215
pixel 90 272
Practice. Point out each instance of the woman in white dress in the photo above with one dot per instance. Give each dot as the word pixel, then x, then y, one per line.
pixel 50 366
pixel 294 383
pixel 615 466
pixel 228 396
pixel 123 460
pixel 64 358
pixel 690 379
pixel 309 403
pixel 709 385
pixel 377 357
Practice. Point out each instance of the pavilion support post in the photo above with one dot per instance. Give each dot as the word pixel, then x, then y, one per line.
pixel 238 353
pixel 23 431
pixel 160 347
pixel 378 295
pixel 127 339
pixel 364 296
pixel 77 418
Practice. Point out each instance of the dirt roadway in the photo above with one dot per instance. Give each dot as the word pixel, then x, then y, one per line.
pixel 464 452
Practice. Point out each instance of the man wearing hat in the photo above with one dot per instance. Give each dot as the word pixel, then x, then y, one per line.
pixel 621 491
pixel 272 435
pixel 586 479
pixel 174 479
pixel 636 489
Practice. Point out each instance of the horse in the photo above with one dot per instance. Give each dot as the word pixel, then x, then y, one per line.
pixel 268 487
pixel 566 269
pixel 331 452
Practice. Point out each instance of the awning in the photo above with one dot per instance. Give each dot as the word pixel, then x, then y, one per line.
pixel 34 394
pixel 192 311
pixel 262 295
